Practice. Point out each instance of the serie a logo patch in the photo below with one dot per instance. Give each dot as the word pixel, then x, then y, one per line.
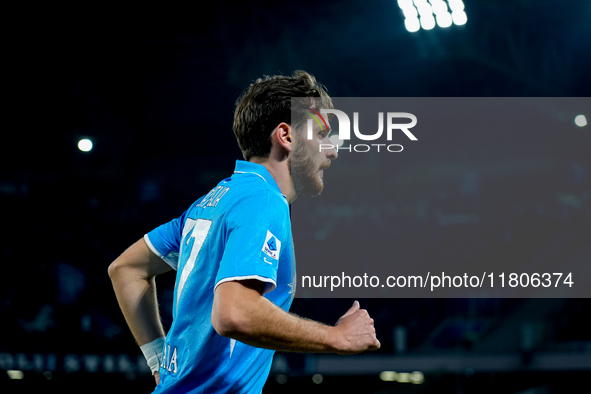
pixel 271 247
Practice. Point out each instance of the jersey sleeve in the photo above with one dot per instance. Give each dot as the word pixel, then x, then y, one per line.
pixel 255 239
pixel 165 240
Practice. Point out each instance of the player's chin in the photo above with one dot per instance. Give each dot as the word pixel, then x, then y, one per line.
pixel 318 187
pixel 313 188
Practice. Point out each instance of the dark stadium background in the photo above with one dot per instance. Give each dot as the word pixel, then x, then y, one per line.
pixel 154 88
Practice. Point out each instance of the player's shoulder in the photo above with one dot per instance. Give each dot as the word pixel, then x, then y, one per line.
pixel 260 195
pixel 246 192
pixel 251 186
pixel 255 206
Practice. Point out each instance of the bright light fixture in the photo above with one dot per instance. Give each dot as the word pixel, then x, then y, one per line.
pixel 581 120
pixel 430 11
pixel 85 145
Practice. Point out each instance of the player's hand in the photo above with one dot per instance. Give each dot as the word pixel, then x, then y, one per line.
pixel 356 331
pixel 157 377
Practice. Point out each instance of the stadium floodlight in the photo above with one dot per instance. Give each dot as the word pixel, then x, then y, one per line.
pixel 405 4
pixel 423 13
pixel 444 19
pixel 412 25
pixel 427 22
pixel 424 8
pixel 410 13
pixel 85 145
pixel 459 17
pixel 458 14
pixel 439 7
pixel 581 120
pixel 456 5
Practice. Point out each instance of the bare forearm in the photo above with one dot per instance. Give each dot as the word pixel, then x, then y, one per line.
pixel 132 275
pixel 265 325
pixel 139 305
pixel 245 315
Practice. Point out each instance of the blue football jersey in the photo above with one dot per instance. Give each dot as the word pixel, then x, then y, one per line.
pixel 240 230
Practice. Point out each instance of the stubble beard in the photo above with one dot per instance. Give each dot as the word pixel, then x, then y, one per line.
pixel 304 173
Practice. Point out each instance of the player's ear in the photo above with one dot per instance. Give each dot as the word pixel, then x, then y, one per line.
pixel 283 135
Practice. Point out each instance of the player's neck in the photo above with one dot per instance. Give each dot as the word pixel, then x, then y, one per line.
pixel 279 170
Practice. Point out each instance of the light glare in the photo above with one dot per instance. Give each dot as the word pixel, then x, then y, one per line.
pixel 425 9
pixel 581 120
pixel 456 5
pixel 429 13
pixel 427 22
pixel 405 4
pixel 85 145
pixel 459 17
pixel 403 377
pixel 388 376
pixel 15 374
pixel 410 12
pixel 439 7
pixel 412 25
pixel 444 20
pixel 317 378
pixel 417 377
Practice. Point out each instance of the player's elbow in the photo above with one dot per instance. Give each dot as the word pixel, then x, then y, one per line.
pixel 235 307
pixel 114 269
pixel 229 321
pixel 119 270
pixel 221 326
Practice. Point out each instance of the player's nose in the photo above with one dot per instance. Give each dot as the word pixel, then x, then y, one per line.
pixel 332 153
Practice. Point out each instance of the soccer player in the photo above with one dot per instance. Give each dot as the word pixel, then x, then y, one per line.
pixel 233 253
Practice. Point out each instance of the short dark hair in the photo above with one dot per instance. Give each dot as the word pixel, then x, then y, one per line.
pixel 266 103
